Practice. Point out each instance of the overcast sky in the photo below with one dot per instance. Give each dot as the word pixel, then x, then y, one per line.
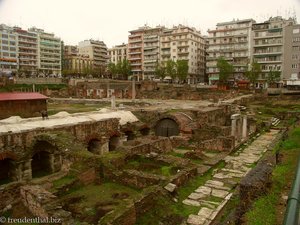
pixel 110 20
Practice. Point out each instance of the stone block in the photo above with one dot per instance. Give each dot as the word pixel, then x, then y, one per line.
pixel 196 220
pixel 219 193
pixel 170 187
pixel 196 196
pixel 191 202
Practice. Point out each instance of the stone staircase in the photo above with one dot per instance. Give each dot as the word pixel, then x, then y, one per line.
pixel 275 121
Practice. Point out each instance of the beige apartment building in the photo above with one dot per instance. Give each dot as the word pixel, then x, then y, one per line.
pixel 185 43
pixel 148 47
pixel 118 53
pixel 8 50
pixel 272 47
pixel 293 69
pixel 27 51
pixel 75 63
pixel 231 40
pixel 97 52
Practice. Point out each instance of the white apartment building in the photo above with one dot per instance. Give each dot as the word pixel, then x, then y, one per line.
pixel 231 40
pixel 96 50
pixel 185 43
pixel 8 50
pixel 118 53
pixel 272 47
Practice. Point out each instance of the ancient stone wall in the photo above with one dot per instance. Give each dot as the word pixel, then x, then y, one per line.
pixel 41 203
pixel 10 194
pixel 256 183
pixel 218 144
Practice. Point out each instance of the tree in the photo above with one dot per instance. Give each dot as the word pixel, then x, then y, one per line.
pixel 112 69
pixel 126 69
pixel 160 70
pixel 171 68
pixel 182 68
pixel 253 73
pixel 225 70
pixel 273 77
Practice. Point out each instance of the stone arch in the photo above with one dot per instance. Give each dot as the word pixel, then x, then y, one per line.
pixel 130 135
pixel 167 127
pixel 113 143
pixel 94 146
pixel 145 131
pixel 45 159
pixel 6 170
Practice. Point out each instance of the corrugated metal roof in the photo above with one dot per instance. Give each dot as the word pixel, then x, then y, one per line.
pixel 14 96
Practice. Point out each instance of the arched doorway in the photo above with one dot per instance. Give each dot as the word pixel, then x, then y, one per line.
pixel 166 128
pixel 5 171
pixel 145 131
pixel 41 164
pixel 113 143
pixel 130 135
pixel 43 161
pixel 94 146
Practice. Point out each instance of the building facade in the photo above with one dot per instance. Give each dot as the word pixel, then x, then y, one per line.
pixel 118 53
pixel 149 47
pixel 293 70
pixel 27 51
pixel 272 47
pixel 96 51
pixel 75 63
pixel 185 43
pixel 8 50
pixel 232 41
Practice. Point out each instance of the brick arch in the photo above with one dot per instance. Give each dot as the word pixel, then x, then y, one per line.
pixel 8 155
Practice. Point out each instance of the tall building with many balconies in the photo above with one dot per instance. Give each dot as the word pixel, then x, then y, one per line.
pixel 185 43
pixel 135 52
pixel 118 53
pixel 27 51
pixel 8 50
pixel 97 52
pixel 148 47
pixel 232 41
pixel 272 46
pixel 49 52
pixel 293 68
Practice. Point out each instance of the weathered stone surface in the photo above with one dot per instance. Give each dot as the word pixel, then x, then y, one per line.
pixel 191 202
pixel 219 193
pixel 196 220
pixel 205 212
pixel 170 187
pixel 196 196
pixel 204 190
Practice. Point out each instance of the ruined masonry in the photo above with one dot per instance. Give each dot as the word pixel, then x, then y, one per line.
pixel 225 180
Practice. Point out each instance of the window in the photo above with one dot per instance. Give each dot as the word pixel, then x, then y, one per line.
pixel 295 57
pixel 294 66
pixel 296 31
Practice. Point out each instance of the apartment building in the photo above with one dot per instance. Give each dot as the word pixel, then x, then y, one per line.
pixel 75 63
pixel 148 47
pixel 272 41
pixel 49 52
pixel 27 51
pixel 232 41
pixel 97 52
pixel 185 43
pixel 293 69
pixel 8 50
pixel 135 52
pixel 118 53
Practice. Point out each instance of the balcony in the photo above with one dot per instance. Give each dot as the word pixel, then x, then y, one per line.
pixel 136 64
pixel 135 53
pixel 273 43
pixel 267 53
pixel 269 35
pixel 28 47
pixel 134 40
pixel 134 46
pixel 183 53
pixel 150 47
pixel 135 58
pixel 150 53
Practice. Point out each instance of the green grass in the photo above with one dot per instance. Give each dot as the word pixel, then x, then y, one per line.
pixel 73 108
pixel 93 194
pixel 263 211
pixel 63 181
pixel 166 170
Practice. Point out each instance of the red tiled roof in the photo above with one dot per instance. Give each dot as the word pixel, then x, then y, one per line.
pixel 14 96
